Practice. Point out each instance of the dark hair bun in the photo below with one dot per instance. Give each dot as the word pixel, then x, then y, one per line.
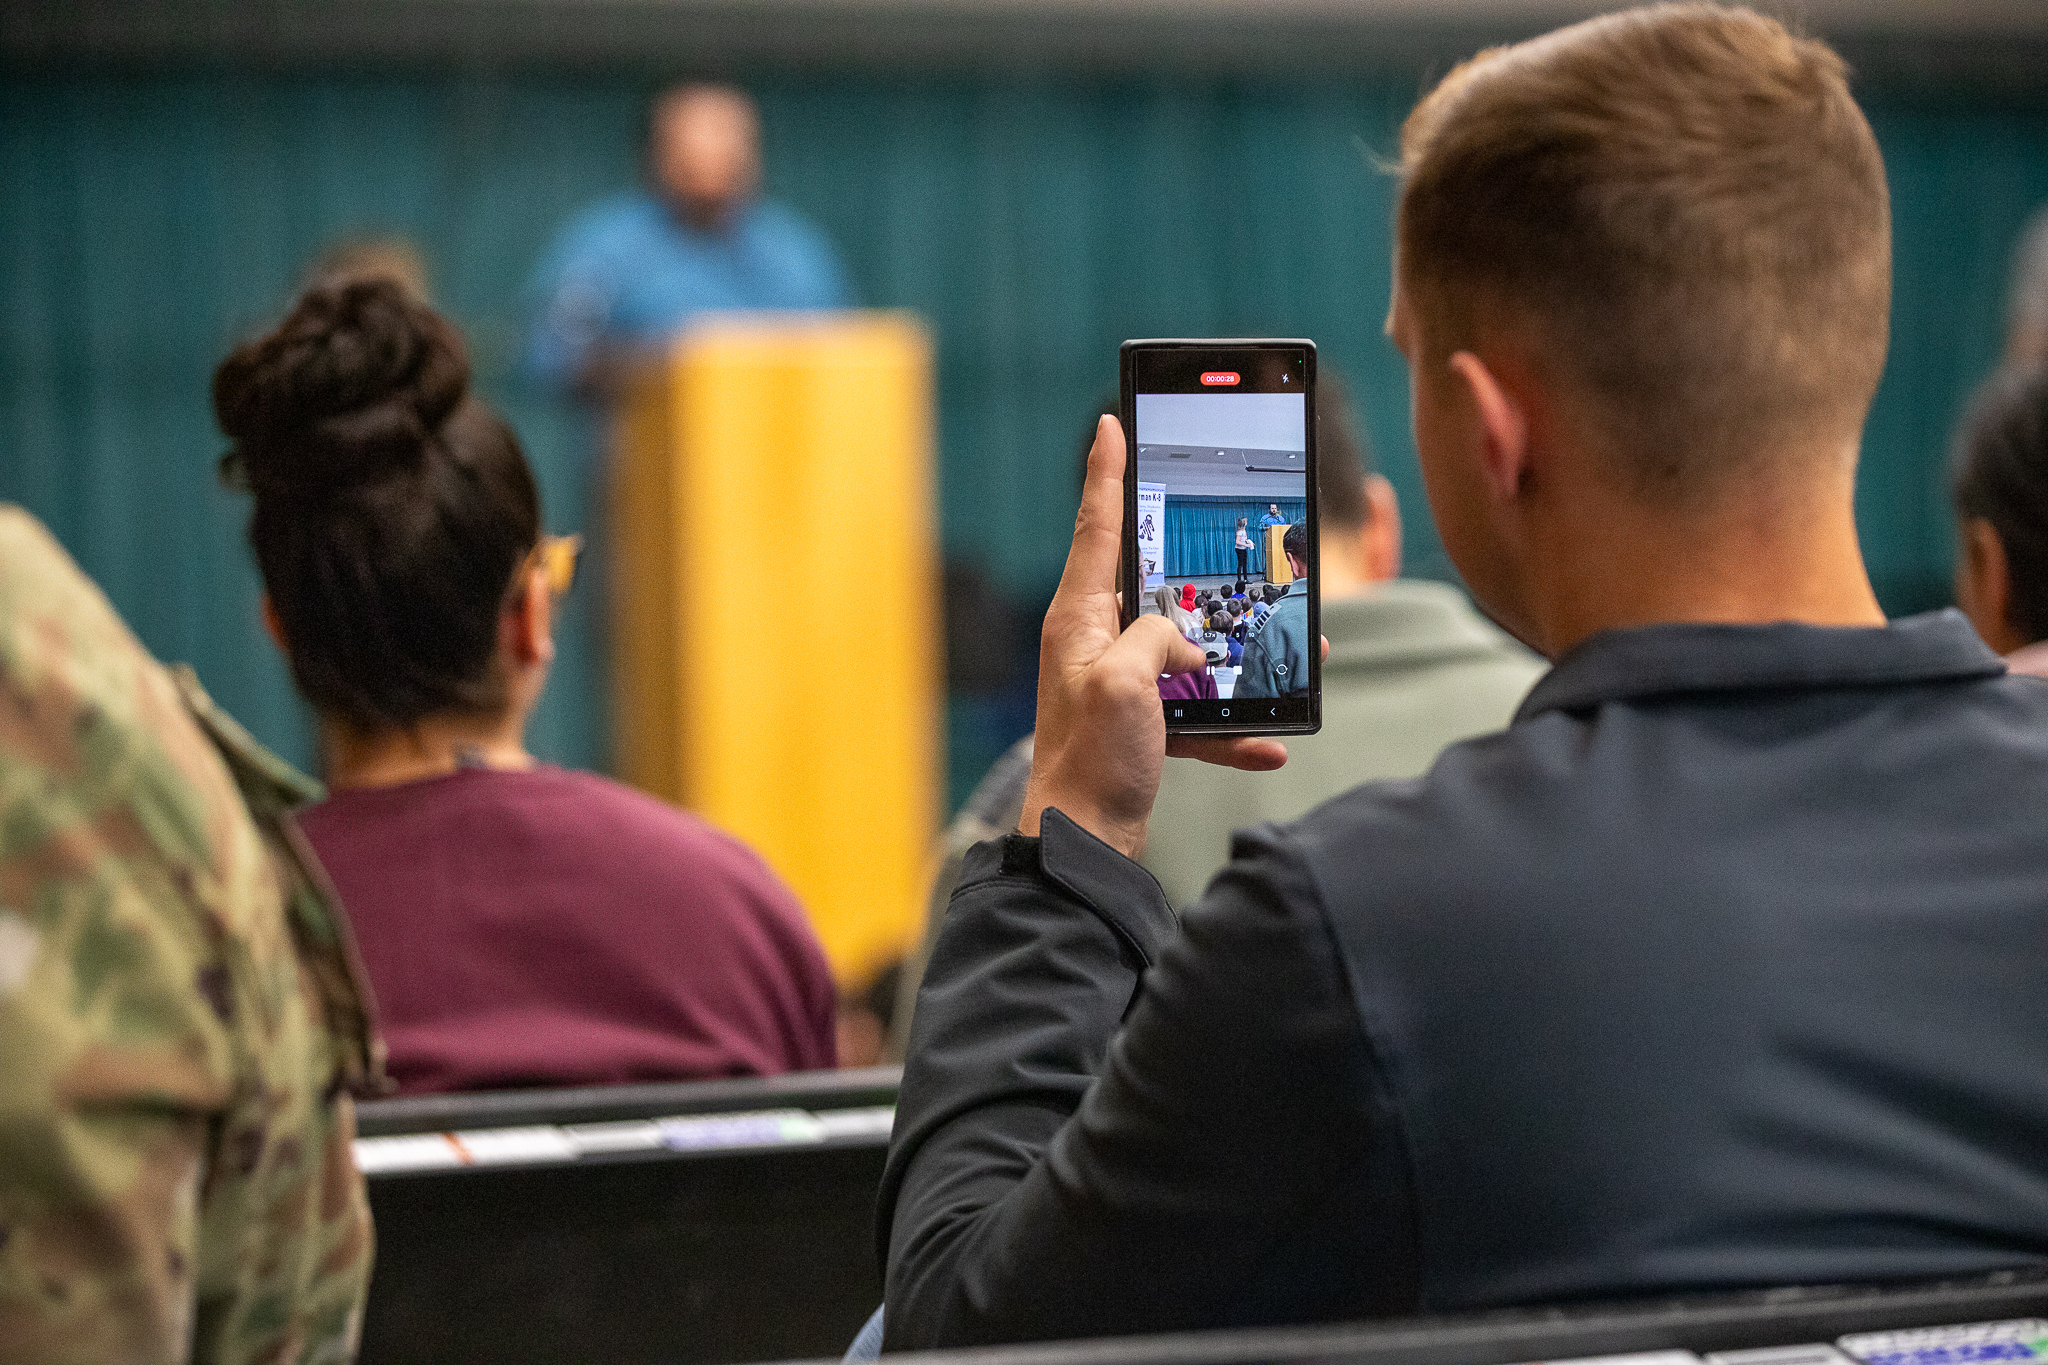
pixel 349 389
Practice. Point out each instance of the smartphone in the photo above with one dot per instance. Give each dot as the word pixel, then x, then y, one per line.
pixel 1222 505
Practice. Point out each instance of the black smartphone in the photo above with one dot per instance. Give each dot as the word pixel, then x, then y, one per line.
pixel 1220 527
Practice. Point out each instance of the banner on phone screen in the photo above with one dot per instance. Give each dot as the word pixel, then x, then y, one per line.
pixel 1152 533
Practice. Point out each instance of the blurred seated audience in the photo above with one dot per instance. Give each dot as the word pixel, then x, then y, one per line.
pixel 865 1018
pixel 1219 647
pixel 1412 668
pixel 629 274
pixel 521 924
pixel 181 1021
pixel 2000 487
pixel 989 812
pixel 1169 604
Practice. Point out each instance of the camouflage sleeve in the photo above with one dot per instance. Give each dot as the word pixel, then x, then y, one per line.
pixel 175 1174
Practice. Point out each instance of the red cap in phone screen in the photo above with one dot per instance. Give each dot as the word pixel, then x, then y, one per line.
pixel 1220 377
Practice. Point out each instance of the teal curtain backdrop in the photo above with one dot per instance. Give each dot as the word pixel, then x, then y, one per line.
pixel 149 219
pixel 1201 534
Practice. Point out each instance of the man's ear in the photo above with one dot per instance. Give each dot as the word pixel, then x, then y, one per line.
pixel 530 621
pixel 1380 541
pixel 1503 425
pixel 274 628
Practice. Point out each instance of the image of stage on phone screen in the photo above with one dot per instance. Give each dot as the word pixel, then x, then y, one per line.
pixel 1221 537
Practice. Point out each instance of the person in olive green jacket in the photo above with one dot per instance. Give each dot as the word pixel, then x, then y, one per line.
pixel 181 1018
pixel 1412 668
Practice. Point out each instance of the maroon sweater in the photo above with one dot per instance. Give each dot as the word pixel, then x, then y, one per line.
pixel 553 928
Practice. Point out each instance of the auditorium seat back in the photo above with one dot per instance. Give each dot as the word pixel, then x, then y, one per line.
pixel 718 1221
pixel 1991 1318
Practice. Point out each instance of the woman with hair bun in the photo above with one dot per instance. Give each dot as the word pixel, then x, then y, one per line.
pixel 521 924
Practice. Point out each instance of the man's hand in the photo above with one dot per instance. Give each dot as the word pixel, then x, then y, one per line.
pixel 1101 730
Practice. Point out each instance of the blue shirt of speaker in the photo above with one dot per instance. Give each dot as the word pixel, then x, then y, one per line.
pixel 628 270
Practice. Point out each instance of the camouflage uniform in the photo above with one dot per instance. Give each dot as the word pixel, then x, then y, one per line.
pixel 181 1019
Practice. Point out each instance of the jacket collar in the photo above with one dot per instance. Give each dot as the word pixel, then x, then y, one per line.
pixel 1666 660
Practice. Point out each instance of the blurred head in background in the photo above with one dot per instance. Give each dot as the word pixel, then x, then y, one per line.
pixel 1999 480
pixel 1356 511
pixel 704 151
pixel 398 259
pixel 2026 312
pixel 396 526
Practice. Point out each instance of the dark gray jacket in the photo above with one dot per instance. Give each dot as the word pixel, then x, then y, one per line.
pixel 1276 651
pixel 1726 964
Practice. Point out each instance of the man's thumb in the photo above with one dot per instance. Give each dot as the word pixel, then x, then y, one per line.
pixel 1164 649
pixel 1183 655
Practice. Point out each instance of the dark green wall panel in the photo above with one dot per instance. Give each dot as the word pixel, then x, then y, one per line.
pixel 148 220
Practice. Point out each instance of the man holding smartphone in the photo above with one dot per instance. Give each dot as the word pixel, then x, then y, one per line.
pixel 1709 972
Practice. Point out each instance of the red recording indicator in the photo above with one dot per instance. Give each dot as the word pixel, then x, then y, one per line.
pixel 1220 377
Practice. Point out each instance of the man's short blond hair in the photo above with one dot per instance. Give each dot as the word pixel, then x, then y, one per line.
pixel 1686 203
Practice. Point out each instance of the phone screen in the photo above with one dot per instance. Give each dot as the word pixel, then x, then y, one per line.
pixel 1220 523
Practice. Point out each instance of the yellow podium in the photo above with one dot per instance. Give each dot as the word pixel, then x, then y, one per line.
pixel 775 640
pixel 1278 570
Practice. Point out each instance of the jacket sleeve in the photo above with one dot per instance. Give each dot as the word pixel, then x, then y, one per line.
pixel 1255 676
pixel 1107 1125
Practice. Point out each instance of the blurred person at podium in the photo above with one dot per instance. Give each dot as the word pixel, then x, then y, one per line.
pixel 520 924
pixel 632 270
